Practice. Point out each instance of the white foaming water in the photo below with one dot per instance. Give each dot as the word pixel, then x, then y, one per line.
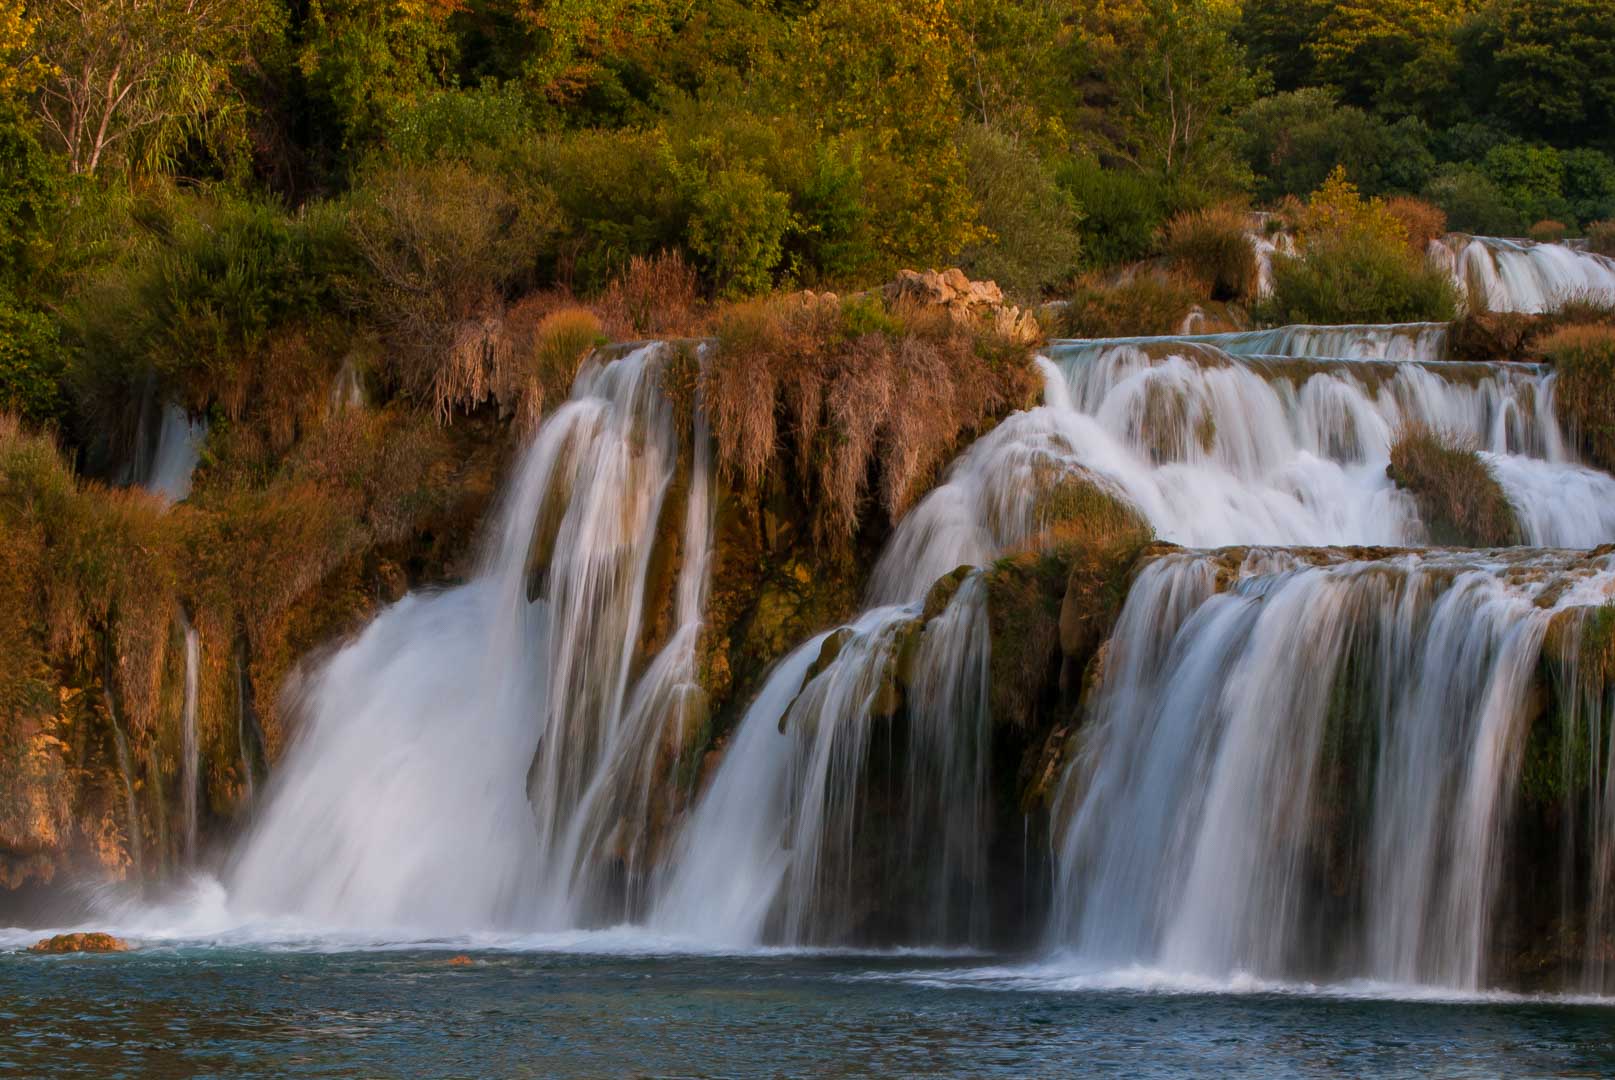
pixel 179 448
pixel 190 778
pixel 1219 449
pixel 1425 342
pixel 1213 793
pixel 1494 274
pixel 462 763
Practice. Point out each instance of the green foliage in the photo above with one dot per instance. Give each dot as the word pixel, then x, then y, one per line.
pixel 1293 141
pixel 1122 210
pixel 1032 220
pixel 738 224
pixel 1589 184
pixel 32 364
pixel 1531 178
pixel 30 194
pixel 1545 68
pixel 1474 204
pixel 1355 266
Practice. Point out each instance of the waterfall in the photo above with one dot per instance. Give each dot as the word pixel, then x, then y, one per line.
pixel 1369 341
pixel 1304 767
pixel 479 757
pixel 1494 274
pixel 190 778
pixel 1218 448
pixel 126 774
pixel 179 448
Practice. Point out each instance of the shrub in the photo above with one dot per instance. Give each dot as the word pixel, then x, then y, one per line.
pixel 1459 498
pixel 737 229
pixel 654 297
pixel 1355 265
pixel 1423 222
pixel 1033 221
pixel 1601 238
pixel 1584 358
pixel 1146 304
pixel 444 246
pixel 1548 231
pixel 1214 247
pixel 32 364
pixel 1122 211
pixel 1474 204
pixel 543 361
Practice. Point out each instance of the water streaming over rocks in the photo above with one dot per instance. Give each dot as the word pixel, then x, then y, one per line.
pixel 1304 764
pixel 1494 274
pixel 477 757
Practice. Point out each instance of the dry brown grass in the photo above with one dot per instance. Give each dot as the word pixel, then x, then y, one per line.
pixel 1601 238
pixel 1423 222
pixel 1459 498
pixel 1149 303
pixel 656 297
pixel 1213 247
pixel 1548 231
pixel 858 397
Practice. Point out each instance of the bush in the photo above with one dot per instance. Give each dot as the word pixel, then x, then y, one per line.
pixel 1355 266
pixel 1474 204
pixel 33 364
pixel 1459 499
pixel 444 246
pixel 1033 220
pixel 1213 247
pixel 1423 222
pixel 1548 231
pixel 654 297
pixel 1601 238
pixel 1293 141
pixel 737 229
pixel 1531 178
pixel 1122 212
pixel 1584 358
pixel 1145 304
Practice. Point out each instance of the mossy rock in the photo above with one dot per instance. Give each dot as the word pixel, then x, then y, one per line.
pixel 95 942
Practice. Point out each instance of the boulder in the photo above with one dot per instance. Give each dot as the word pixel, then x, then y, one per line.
pixel 76 943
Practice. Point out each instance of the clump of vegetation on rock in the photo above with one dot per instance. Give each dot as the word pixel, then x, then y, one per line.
pixel 1584 357
pixel 1459 498
pixel 1147 303
pixel 1213 247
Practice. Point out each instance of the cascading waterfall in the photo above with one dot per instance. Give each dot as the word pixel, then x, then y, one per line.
pixel 1495 274
pixel 1309 772
pixel 1217 448
pixel 1376 341
pixel 476 757
pixel 190 778
pixel 179 448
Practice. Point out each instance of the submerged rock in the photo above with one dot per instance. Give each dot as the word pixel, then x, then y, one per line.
pixel 95 942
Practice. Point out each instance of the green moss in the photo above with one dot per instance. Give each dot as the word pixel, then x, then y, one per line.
pixel 1459 498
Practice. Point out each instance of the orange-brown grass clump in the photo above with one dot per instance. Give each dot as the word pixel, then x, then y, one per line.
pixel 1601 238
pixel 857 396
pixel 1213 247
pixel 1548 231
pixel 539 356
pixel 1459 498
pixel 657 297
pixel 1584 357
pixel 1421 221
pixel 1149 303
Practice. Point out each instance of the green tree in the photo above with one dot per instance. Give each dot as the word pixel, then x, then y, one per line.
pixel 1397 55
pixel 1293 141
pixel 131 80
pixel 1546 68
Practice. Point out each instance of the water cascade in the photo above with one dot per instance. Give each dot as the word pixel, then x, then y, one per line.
pixel 1219 448
pixel 1306 764
pixel 477 757
pixel 1494 274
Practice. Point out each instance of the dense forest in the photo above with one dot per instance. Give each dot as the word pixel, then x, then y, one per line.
pixel 190 187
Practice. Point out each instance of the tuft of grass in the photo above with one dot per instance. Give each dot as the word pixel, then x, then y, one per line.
pixel 1460 500
pixel 1213 247
pixel 1584 358
pixel 1601 238
pixel 658 296
pixel 1548 231
pixel 1148 303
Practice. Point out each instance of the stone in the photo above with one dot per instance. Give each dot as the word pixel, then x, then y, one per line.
pixel 94 942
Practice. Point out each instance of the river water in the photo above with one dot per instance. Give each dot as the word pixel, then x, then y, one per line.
pixel 613 1003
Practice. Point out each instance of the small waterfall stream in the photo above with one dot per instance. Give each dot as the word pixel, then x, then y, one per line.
pixel 190 778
